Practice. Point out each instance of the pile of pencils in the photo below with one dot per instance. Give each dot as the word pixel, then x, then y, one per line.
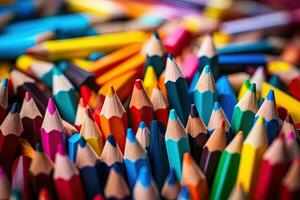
pixel 146 100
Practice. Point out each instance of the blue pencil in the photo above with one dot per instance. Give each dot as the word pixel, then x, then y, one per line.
pixel 275 81
pixel 143 136
pixel 65 96
pixel 193 85
pixel 158 153
pixel 177 89
pixel 111 156
pixel 171 187
pixel 177 142
pixel 135 157
pixel 242 59
pixel 184 194
pixel 73 143
pixel 268 112
pixel 226 96
pixel 205 94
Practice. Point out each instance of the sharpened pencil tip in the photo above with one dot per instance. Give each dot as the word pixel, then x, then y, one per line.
pixel 110 91
pixel 271 96
pixel 4 82
pixel 184 193
pixel 138 84
pixel 144 177
pixel 51 106
pixel 207 69
pixel 173 115
pixel 61 150
pixel 27 96
pixel 56 72
pixel 172 178
pixel 110 138
pixel 187 158
pixel 130 135
pixel 252 87
pixel 14 108
pixel 142 124
pixel 170 56
pixel 156 35
pixel 217 106
pixel 194 112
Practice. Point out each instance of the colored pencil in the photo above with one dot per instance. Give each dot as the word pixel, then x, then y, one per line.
pixel 32 120
pixel 290 183
pixel 113 118
pixel 274 80
pixel 197 133
pixel 111 157
pixel 23 83
pixel 25 148
pixel 90 97
pixel 10 131
pixel 41 171
pixel 158 153
pixel 238 194
pixel 292 146
pixel 254 146
pixel 171 187
pixel 64 95
pixel 237 79
pixel 205 94
pixel 116 187
pixel 20 178
pixel 39 68
pixel 135 158
pixel 177 89
pixel 269 112
pixel 4 185
pixel 211 153
pixel 44 194
pixel 243 89
pixel 244 111
pixel 88 166
pixel 273 167
pixel 95 56
pixel 83 46
pixel 184 194
pixel 258 78
pixel 73 142
pixel 193 178
pixel 177 142
pixel 3 99
pixel 143 136
pixel 160 106
pixel 226 95
pixel 236 62
pixel 227 169
pixel 66 177
pixel 190 66
pixel 52 130
pixel 145 187
pixel 218 115
pixel 77 76
pixel 91 133
pixel 150 80
pixel 155 54
pixel 82 106
pixel 140 106
pixel 289 126
pixel 207 55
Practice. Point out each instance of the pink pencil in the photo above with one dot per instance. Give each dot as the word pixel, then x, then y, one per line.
pixel 189 66
pixel 52 130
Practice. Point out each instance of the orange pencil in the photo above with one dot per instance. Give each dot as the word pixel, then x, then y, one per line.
pixel 140 106
pixel 193 179
pixel 113 118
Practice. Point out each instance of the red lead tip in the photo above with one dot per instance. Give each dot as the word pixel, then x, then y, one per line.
pixel 222 124
pixel 27 96
pixel 138 84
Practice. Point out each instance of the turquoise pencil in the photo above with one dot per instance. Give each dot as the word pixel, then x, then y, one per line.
pixel 65 96
pixel 177 89
pixel 269 113
pixel 135 157
pixel 205 94
pixel 177 142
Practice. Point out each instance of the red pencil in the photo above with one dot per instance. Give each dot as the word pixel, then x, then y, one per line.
pixel 140 106
pixel 44 194
pixel 10 131
pixel 272 170
pixel 3 99
pixel 66 177
pixel 52 130
pixel 20 176
pixel 4 185
pixel 290 189
pixel 32 120
pixel 160 106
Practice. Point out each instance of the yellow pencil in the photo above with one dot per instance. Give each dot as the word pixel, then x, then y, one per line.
pixel 150 80
pixel 253 149
pixel 284 100
pixel 83 46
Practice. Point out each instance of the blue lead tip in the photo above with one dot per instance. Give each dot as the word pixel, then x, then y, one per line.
pixel 130 135
pixel 142 125
pixel 173 115
pixel 155 34
pixel 207 69
pixel 56 71
pixel 144 177
pixel 14 108
pixel 170 56
pixel 184 194
pixel 270 95
pixel 4 82
pixel 110 138
pixel 172 178
pixel 216 106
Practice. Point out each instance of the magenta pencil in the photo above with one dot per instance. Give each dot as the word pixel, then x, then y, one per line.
pixel 189 66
